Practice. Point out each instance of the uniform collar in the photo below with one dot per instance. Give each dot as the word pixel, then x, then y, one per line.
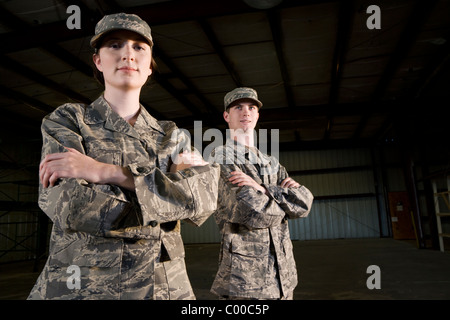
pixel 242 149
pixel 100 111
pixel 146 119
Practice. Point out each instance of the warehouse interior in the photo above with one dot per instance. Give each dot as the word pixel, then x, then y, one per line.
pixel 356 91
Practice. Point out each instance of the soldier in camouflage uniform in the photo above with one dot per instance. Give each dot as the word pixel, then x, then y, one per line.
pixel 257 197
pixel 115 184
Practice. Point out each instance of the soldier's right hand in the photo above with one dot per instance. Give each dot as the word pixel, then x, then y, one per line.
pixel 74 164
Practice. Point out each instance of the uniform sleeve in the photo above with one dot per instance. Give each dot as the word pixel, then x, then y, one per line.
pixel 74 203
pixel 295 202
pixel 246 205
pixel 242 205
pixel 254 209
pixel 189 194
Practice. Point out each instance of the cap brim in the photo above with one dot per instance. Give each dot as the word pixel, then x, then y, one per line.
pixel 97 37
pixel 258 103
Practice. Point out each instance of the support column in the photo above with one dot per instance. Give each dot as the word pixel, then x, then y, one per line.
pixel 408 145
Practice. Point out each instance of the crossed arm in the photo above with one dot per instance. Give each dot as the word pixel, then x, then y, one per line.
pixel 241 179
pixel 73 164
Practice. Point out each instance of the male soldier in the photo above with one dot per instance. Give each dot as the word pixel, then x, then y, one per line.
pixel 105 183
pixel 257 197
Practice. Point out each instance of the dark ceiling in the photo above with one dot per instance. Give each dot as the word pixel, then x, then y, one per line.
pixel 325 78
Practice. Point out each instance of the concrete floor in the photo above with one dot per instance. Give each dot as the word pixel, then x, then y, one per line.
pixel 328 270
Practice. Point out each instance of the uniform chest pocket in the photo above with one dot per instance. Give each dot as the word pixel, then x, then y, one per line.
pixel 107 156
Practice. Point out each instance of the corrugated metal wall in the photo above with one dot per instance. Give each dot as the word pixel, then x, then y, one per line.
pixel 332 176
pixel 333 218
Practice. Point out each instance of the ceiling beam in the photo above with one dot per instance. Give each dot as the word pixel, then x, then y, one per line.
pixel 15 23
pixel 81 66
pixel 303 113
pixel 181 76
pixel 406 40
pixel 69 58
pixel 50 33
pixel 432 70
pixel 325 144
pixel 164 82
pixel 430 75
pixel 343 35
pixel 22 98
pixel 273 17
pixel 24 71
pixel 218 49
pixel 419 16
pixel 344 29
pixel 155 14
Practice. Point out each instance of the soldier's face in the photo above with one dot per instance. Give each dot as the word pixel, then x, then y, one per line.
pixel 243 114
pixel 124 59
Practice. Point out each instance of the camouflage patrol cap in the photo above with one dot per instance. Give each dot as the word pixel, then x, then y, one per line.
pixel 122 21
pixel 241 93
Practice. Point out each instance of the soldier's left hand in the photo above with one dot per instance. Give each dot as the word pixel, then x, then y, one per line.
pixel 186 160
pixel 289 183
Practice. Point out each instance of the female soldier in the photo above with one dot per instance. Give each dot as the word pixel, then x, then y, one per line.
pixel 115 186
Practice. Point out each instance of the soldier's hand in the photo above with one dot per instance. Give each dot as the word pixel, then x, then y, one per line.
pixel 241 179
pixel 289 183
pixel 186 160
pixel 70 164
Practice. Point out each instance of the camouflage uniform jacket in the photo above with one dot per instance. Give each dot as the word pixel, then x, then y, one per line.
pixel 105 230
pixel 256 258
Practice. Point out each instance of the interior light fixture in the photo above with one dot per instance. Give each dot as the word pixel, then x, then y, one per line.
pixel 263 4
